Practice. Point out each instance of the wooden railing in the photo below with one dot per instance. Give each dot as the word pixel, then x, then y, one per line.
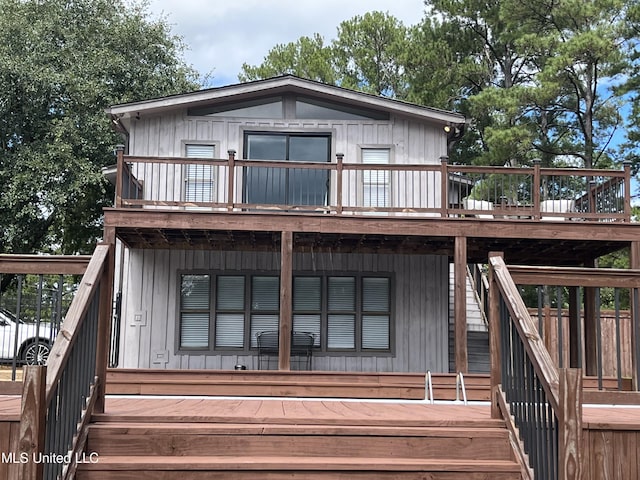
pixel 595 315
pixel 58 400
pixel 545 402
pixel 344 188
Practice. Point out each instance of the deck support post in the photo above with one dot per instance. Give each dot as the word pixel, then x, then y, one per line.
pixel 286 270
pixel 575 331
pixel 634 262
pixel 104 320
pixel 32 422
pixel 494 339
pixel 460 304
pixel 570 424
pixel 590 330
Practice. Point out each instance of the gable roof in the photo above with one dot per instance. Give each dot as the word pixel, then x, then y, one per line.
pixel 278 86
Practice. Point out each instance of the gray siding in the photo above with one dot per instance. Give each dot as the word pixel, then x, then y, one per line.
pixel 412 142
pixel 150 307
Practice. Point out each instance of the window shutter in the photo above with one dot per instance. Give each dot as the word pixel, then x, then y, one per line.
pixel 341 331
pixel 265 297
pixel 375 317
pixel 230 325
pixel 341 322
pixel 194 315
pixel 307 306
pixel 199 179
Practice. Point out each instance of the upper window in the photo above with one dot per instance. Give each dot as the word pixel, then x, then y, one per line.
pixel 290 106
pixel 376 188
pixel 199 178
pixel 345 313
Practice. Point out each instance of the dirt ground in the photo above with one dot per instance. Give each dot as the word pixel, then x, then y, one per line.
pixel 5 373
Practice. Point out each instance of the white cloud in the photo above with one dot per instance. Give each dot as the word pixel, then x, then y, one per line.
pixel 221 36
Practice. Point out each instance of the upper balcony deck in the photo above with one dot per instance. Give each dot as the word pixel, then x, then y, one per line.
pixel 536 215
pixel 345 188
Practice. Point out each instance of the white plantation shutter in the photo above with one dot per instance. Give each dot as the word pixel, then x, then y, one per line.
pixel 229 324
pixel 194 311
pixel 376 183
pixel 199 178
pixel 375 316
pixel 265 305
pixel 307 306
pixel 341 319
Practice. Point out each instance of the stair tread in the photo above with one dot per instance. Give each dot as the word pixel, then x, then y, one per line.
pixel 188 428
pixel 190 463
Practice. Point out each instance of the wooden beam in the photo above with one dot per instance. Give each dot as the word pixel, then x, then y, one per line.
pixel 32 422
pixel 460 304
pixel 494 338
pixel 570 424
pixel 44 264
pixel 286 326
pixel 429 226
pixel 570 276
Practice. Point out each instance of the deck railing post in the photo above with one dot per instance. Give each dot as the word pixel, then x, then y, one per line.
pixel 444 187
pixel 32 423
pixel 494 338
pixel 339 180
pixel 570 424
pixel 231 178
pixel 119 174
pixel 104 326
pixel 627 190
pixel 537 179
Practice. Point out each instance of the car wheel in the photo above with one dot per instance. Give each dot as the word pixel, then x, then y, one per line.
pixel 36 353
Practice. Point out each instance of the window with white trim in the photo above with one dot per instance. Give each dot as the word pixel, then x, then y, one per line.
pixel 376 184
pixel 345 313
pixel 199 178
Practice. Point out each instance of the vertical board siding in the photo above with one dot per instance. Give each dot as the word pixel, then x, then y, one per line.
pixel 420 307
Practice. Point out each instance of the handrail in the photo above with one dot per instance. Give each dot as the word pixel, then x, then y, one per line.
pixel 418 188
pixel 545 405
pixel 74 377
pixel 460 388
pixel 428 388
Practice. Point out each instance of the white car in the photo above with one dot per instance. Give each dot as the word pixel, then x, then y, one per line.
pixel 30 347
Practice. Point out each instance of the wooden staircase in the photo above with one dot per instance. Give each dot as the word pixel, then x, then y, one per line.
pixel 207 438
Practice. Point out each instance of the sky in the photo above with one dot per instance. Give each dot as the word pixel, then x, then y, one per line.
pixel 222 35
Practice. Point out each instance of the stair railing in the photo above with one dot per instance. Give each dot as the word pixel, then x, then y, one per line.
pixel 480 284
pixel 544 402
pixel 58 400
pixel 460 389
pixel 428 388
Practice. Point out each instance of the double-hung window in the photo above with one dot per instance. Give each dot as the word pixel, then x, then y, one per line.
pixel 199 178
pixel 376 183
pixel 345 313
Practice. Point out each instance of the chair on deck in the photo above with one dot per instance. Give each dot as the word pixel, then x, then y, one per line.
pixel 301 346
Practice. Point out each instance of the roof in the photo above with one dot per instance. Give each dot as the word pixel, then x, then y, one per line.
pixel 277 86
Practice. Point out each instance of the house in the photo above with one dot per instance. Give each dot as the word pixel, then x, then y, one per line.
pixel 293 211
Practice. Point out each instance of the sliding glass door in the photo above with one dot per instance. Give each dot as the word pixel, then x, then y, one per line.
pixel 286 186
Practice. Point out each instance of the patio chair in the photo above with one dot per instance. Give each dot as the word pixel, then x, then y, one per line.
pixel 301 346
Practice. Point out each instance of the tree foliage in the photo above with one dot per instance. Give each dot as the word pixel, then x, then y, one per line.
pixel 62 63
pixel 539 79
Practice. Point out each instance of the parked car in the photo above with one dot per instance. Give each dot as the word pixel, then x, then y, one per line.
pixel 32 344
